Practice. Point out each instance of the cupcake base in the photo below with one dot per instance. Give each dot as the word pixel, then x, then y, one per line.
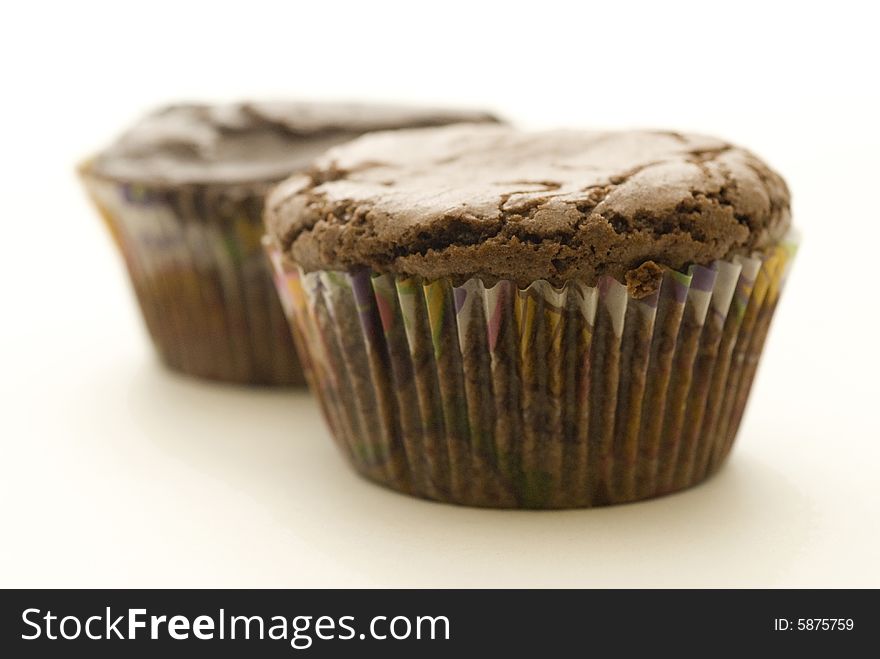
pixel 201 279
pixel 537 397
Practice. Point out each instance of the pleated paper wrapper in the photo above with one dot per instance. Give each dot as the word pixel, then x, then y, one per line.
pixel 197 266
pixel 538 397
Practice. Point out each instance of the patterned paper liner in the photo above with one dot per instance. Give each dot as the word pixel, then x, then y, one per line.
pixel 198 270
pixel 537 397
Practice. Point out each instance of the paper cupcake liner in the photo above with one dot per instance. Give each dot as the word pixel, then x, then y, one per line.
pixel 198 270
pixel 537 397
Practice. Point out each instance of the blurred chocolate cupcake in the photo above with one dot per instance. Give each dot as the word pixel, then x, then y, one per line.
pixel 182 193
pixel 541 320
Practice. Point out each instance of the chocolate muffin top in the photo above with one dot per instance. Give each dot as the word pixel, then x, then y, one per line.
pixel 248 142
pixel 494 202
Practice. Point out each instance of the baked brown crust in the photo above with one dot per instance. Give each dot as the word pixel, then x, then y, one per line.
pixel 494 202
pixel 249 142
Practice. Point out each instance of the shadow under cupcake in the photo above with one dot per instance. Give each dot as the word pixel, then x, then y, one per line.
pixel 539 320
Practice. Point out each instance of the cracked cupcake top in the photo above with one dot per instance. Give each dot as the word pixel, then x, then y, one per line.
pixel 249 142
pixel 494 202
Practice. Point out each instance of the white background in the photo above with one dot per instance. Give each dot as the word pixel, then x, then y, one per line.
pixel 117 473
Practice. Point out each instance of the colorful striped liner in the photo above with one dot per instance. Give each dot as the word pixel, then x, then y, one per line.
pixel 196 264
pixel 540 397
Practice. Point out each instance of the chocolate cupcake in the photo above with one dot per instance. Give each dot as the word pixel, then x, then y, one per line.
pixel 541 320
pixel 182 193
